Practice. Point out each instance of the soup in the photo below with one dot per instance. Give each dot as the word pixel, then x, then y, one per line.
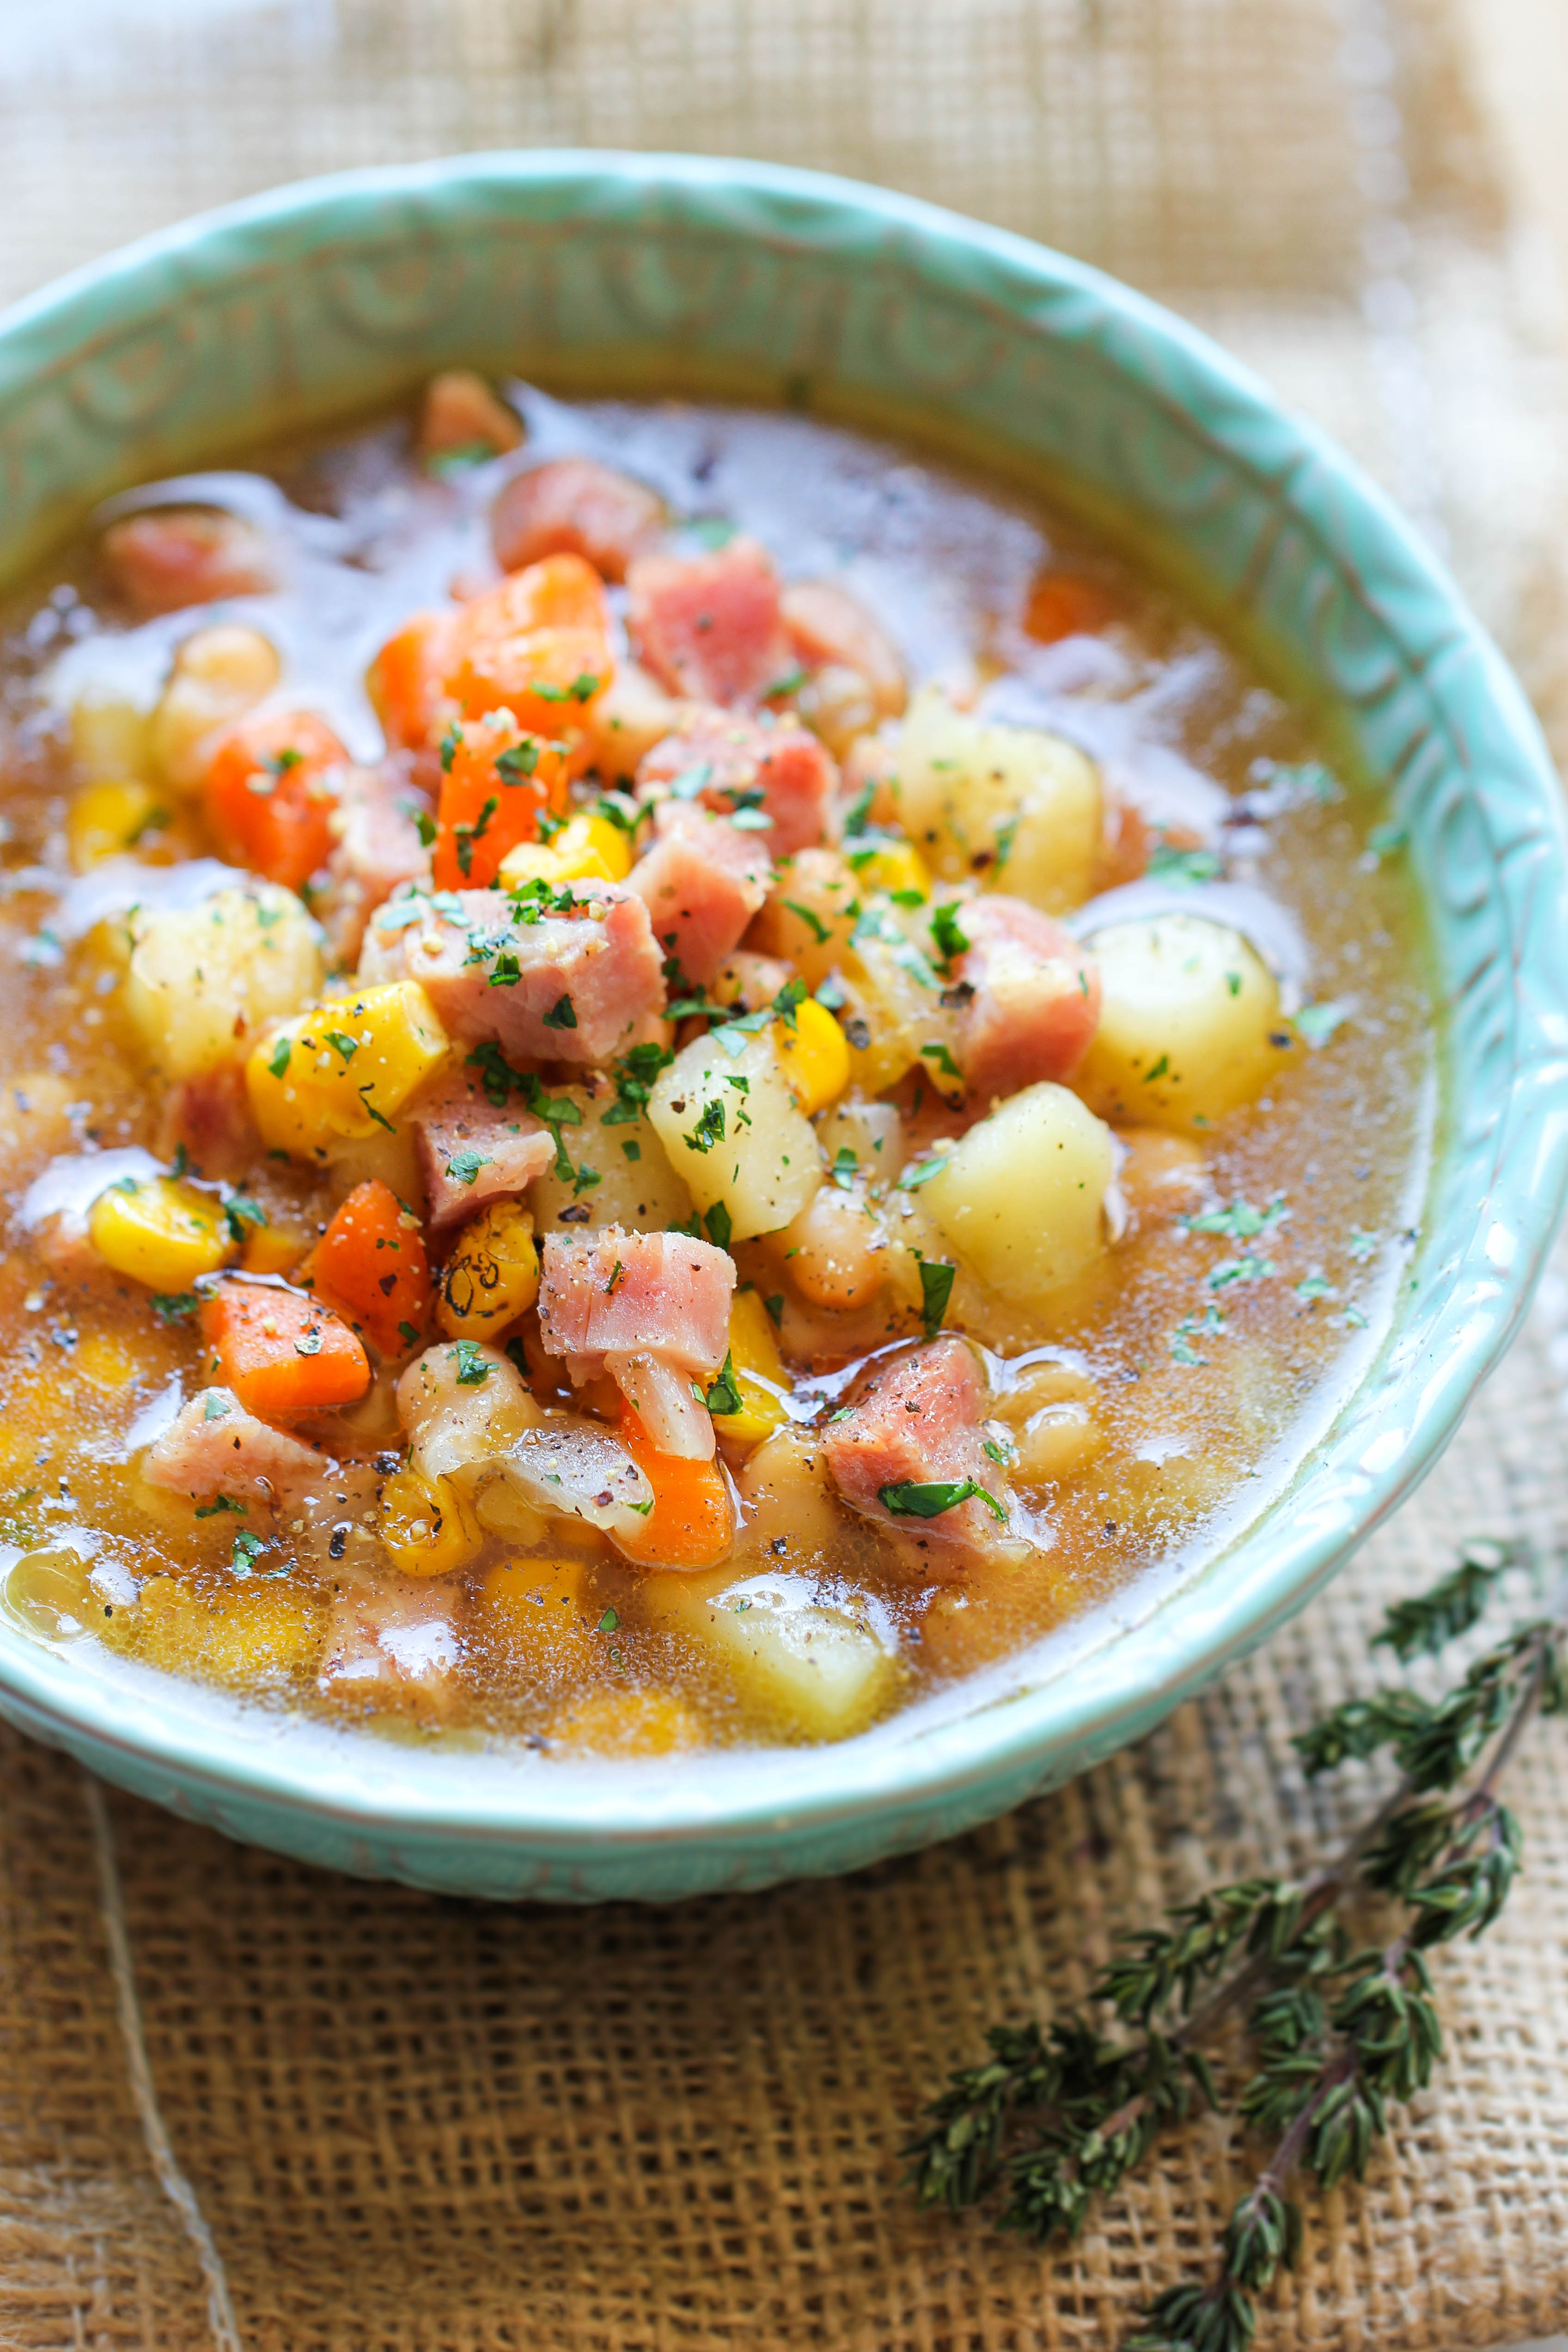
pixel 671 1075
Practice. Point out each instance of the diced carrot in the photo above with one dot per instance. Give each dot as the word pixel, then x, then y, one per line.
pixel 497 779
pixel 269 795
pixel 404 681
pixel 692 1523
pixel 370 1267
pixel 538 645
pixel 283 1354
pixel 1061 604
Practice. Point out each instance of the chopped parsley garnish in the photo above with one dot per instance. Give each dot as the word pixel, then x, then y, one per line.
pixel 1317 1023
pixel 173 1306
pixel 690 782
pixel 1315 1285
pixel 221 1502
pixel 724 1394
pixel 1183 867
pixel 943 1059
pixel 278 1060
pixel 241 1212
pixel 634 1075
pixel 516 765
pixel 910 1500
pixel 1241 1222
pixel 248 1550
pixel 342 1044
pixel 609 1622
pixel 449 743
pixel 935 1290
pixel 408 1335
pixel 857 816
pixel 561 1015
pixel 774 1308
pixel 463 1166
pixel 719 1225
pixel 1239 1269
pixel 709 1129
pixel 473 1370
pixel 1361 1245
pixel 820 931
pixel 947 932
pixel 846 1167
pixel 914 1177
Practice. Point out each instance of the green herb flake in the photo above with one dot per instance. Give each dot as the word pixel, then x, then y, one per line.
pixel 561 1015
pixel 725 1396
pixel 911 1500
pixel 221 1502
pixel 278 1060
pixel 719 1225
pixel 473 1370
pixel 173 1306
pixel 1182 867
pixel 1317 1023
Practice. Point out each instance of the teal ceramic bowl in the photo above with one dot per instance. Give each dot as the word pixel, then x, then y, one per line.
pixel 683 274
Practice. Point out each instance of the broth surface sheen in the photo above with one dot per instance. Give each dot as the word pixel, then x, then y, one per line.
pixel 951 1173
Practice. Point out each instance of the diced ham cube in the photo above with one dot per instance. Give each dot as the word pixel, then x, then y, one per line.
pixel 174 556
pixel 710 626
pixel 398 1640
pixel 919 1424
pixel 702 882
pixel 209 1118
pixel 376 849
pixel 621 1293
pixel 740 759
pixel 578 986
pixel 1028 997
pixel 828 627
pixel 471 1152
pixel 214 1446
pixel 574 505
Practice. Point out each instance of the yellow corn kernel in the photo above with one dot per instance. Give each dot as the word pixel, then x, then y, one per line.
pixel 109 739
pixel 426 1526
pixel 892 865
pixel 758 1370
pixel 813 1055
pixel 534 1613
pixel 344 1068
pixel 107 819
pixel 162 1233
pixel 586 849
pixel 275 1247
pixel 493 1274
pixel 629 1723
pixel 224 1637
pixel 107 1363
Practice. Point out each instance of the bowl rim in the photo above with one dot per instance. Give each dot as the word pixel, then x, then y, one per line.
pixel 1126 1685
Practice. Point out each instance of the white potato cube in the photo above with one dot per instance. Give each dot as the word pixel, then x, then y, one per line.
pixel 1020 1199
pixel 1188 1014
pixel 808 1655
pixel 636 1188
pixel 204 982
pixel 1013 808
pixel 729 1125
pixel 219 673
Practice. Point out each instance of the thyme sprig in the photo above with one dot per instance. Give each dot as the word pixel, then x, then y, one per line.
pixel 1337 2029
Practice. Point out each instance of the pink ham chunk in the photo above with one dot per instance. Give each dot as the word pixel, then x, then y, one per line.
pixel 398 1640
pixel 574 505
pixel 920 1423
pixel 208 1118
pixel 621 1293
pixel 214 1446
pixel 171 557
pixel 710 627
pixel 702 882
pixel 573 986
pixel 376 849
pixel 1028 997
pixel 471 1152
pixel 829 627
pixel 775 765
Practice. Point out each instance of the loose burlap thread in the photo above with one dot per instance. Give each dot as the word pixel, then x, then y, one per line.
pixel 393 2121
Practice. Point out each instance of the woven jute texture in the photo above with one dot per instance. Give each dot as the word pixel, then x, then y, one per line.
pixel 388 2120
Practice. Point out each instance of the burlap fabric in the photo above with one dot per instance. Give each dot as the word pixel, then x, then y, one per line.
pixel 351 2117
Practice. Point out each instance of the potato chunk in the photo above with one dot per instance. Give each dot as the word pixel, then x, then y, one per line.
pixel 203 983
pixel 806 1656
pixel 1189 1017
pixel 219 674
pixel 1019 1201
pixel 637 1187
pixel 730 1126
pixel 1010 807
